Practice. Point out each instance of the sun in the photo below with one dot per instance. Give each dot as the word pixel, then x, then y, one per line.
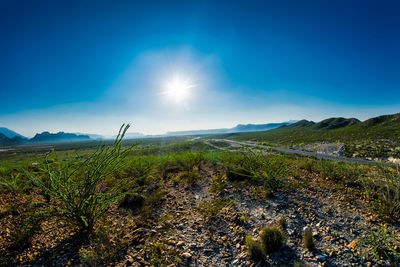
pixel 178 88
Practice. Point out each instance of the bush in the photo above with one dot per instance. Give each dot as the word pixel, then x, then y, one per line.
pixel 189 177
pixel 348 174
pixel 391 198
pixel 272 238
pixel 81 191
pixel 254 249
pixel 382 244
pixel 10 184
pixel 255 166
pixel 218 184
pixel 384 194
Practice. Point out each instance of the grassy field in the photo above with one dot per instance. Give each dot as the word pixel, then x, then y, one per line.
pixel 179 201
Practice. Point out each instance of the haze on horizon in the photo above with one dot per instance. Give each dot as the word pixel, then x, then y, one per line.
pixel 89 66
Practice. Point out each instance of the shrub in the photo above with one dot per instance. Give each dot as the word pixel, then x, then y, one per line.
pixel 391 198
pixel 382 244
pixel 80 191
pixel 272 238
pixel 254 249
pixel 255 166
pixel 348 174
pixel 10 184
pixel 218 184
pixel 189 177
pixel 384 194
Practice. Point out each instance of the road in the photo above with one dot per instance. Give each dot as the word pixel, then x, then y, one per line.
pixel 308 154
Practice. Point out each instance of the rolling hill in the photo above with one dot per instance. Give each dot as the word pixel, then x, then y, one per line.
pixel 332 129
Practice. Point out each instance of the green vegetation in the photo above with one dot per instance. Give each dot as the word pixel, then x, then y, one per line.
pixel 80 192
pixel 255 167
pixel 213 207
pixel 115 201
pixel 383 127
pixel 254 249
pixel 272 238
pixel 376 137
pixel 382 244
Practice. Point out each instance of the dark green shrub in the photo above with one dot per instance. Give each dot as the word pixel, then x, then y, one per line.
pixel 254 249
pixel 272 238
pixel 81 191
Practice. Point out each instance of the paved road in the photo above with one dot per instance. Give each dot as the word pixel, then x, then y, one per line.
pixel 310 154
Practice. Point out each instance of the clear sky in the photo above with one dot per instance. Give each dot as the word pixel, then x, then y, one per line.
pixel 89 66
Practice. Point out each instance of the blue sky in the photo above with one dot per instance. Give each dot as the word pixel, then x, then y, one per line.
pixel 88 66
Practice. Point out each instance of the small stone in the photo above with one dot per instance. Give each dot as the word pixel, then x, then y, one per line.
pixel 306 229
pixel 321 257
pixel 290 231
pixel 180 243
pixel 242 255
pixel 186 255
pixel 353 244
pixel 237 245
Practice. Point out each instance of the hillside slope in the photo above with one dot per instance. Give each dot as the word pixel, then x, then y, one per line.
pixel 333 129
pixel 10 133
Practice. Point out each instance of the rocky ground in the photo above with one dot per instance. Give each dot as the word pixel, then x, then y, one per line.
pixel 178 233
pixel 220 240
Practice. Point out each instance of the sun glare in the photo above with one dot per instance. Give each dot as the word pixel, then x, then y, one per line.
pixel 178 88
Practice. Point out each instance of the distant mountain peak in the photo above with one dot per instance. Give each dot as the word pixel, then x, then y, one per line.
pixel 47 137
pixel 10 133
pixel 237 129
pixel 335 123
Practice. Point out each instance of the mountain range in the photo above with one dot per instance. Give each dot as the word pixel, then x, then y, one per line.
pixel 332 129
pixel 237 129
pixel 11 138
